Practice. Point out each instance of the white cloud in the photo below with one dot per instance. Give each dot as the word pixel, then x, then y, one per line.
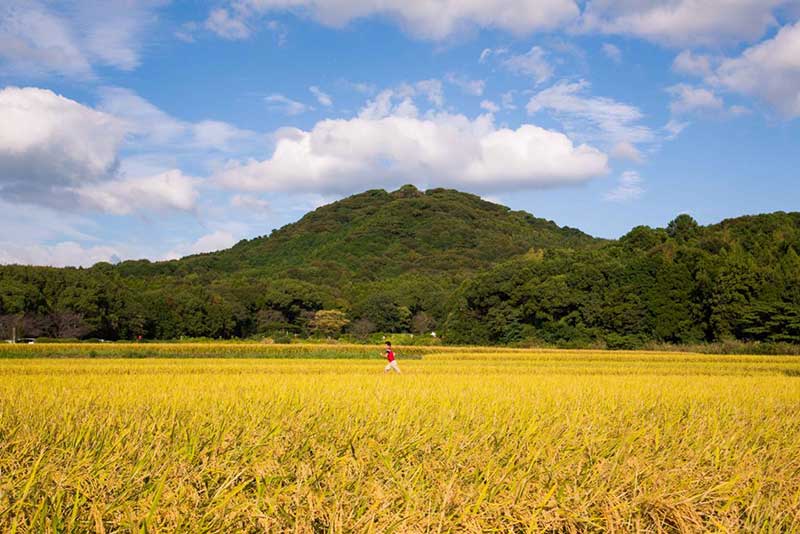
pixel 591 118
pixel 280 31
pixel 116 31
pixel 323 98
pixel 57 152
pixel 186 32
pixel 34 39
pixel 167 191
pixel 278 102
pixel 629 187
pixel 68 38
pixel 674 128
pixel 507 99
pixel 688 98
pixel 405 93
pixel 489 52
pixel 389 144
pixel 490 106
pixel 221 22
pixel 155 128
pixel 63 254
pixel 211 134
pixel 468 86
pixel 28 223
pixel 769 70
pixel 624 150
pixel 738 111
pixel 49 142
pixel 249 202
pixel 433 19
pixel 695 64
pixel 433 91
pixel 532 64
pixel 141 117
pixel 217 240
pixel 612 52
pixel 683 22
pixel 367 89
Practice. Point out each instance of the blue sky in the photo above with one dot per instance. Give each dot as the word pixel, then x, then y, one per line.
pixel 156 129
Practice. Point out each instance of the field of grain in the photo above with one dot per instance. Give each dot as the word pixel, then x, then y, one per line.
pixel 462 441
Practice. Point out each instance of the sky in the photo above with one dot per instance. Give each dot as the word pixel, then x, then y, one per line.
pixel 157 129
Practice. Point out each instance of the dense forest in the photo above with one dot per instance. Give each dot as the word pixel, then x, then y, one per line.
pixel 412 261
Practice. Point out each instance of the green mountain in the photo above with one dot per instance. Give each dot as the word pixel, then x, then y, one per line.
pixel 377 235
pixel 411 261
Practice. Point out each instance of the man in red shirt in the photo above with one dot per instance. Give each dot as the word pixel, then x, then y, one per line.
pixel 392 365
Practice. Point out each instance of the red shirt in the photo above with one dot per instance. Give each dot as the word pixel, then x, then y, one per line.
pixel 390 355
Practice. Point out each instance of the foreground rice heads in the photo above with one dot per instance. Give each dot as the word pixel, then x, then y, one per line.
pixel 335 445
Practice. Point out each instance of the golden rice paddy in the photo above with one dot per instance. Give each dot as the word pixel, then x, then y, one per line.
pixel 462 441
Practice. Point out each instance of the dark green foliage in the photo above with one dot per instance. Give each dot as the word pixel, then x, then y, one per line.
pixel 413 261
pixel 737 280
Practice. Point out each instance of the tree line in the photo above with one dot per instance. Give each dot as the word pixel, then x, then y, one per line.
pixel 683 284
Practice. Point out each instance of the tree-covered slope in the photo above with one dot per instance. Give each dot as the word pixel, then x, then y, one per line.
pixel 377 235
pixel 736 280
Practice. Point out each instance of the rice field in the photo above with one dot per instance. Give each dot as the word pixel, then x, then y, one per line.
pixel 465 440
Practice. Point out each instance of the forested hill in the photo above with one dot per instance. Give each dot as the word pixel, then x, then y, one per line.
pixel 736 280
pixel 408 260
pixel 377 235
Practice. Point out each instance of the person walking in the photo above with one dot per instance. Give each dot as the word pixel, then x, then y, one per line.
pixel 392 365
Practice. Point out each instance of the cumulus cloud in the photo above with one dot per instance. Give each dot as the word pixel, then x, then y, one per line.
pixel 683 22
pixel 769 70
pixel 532 64
pixel 323 98
pixel 629 187
pixel 591 118
pixel 687 98
pixel 38 37
pixel 48 142
pixel 434 19
pixel 388 143
pixel 284 104
pixel 57 152
pixel 167 191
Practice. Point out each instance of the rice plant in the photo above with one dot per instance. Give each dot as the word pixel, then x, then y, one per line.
pixel 537 441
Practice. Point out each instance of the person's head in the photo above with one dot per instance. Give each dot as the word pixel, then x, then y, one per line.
pixel 389 344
